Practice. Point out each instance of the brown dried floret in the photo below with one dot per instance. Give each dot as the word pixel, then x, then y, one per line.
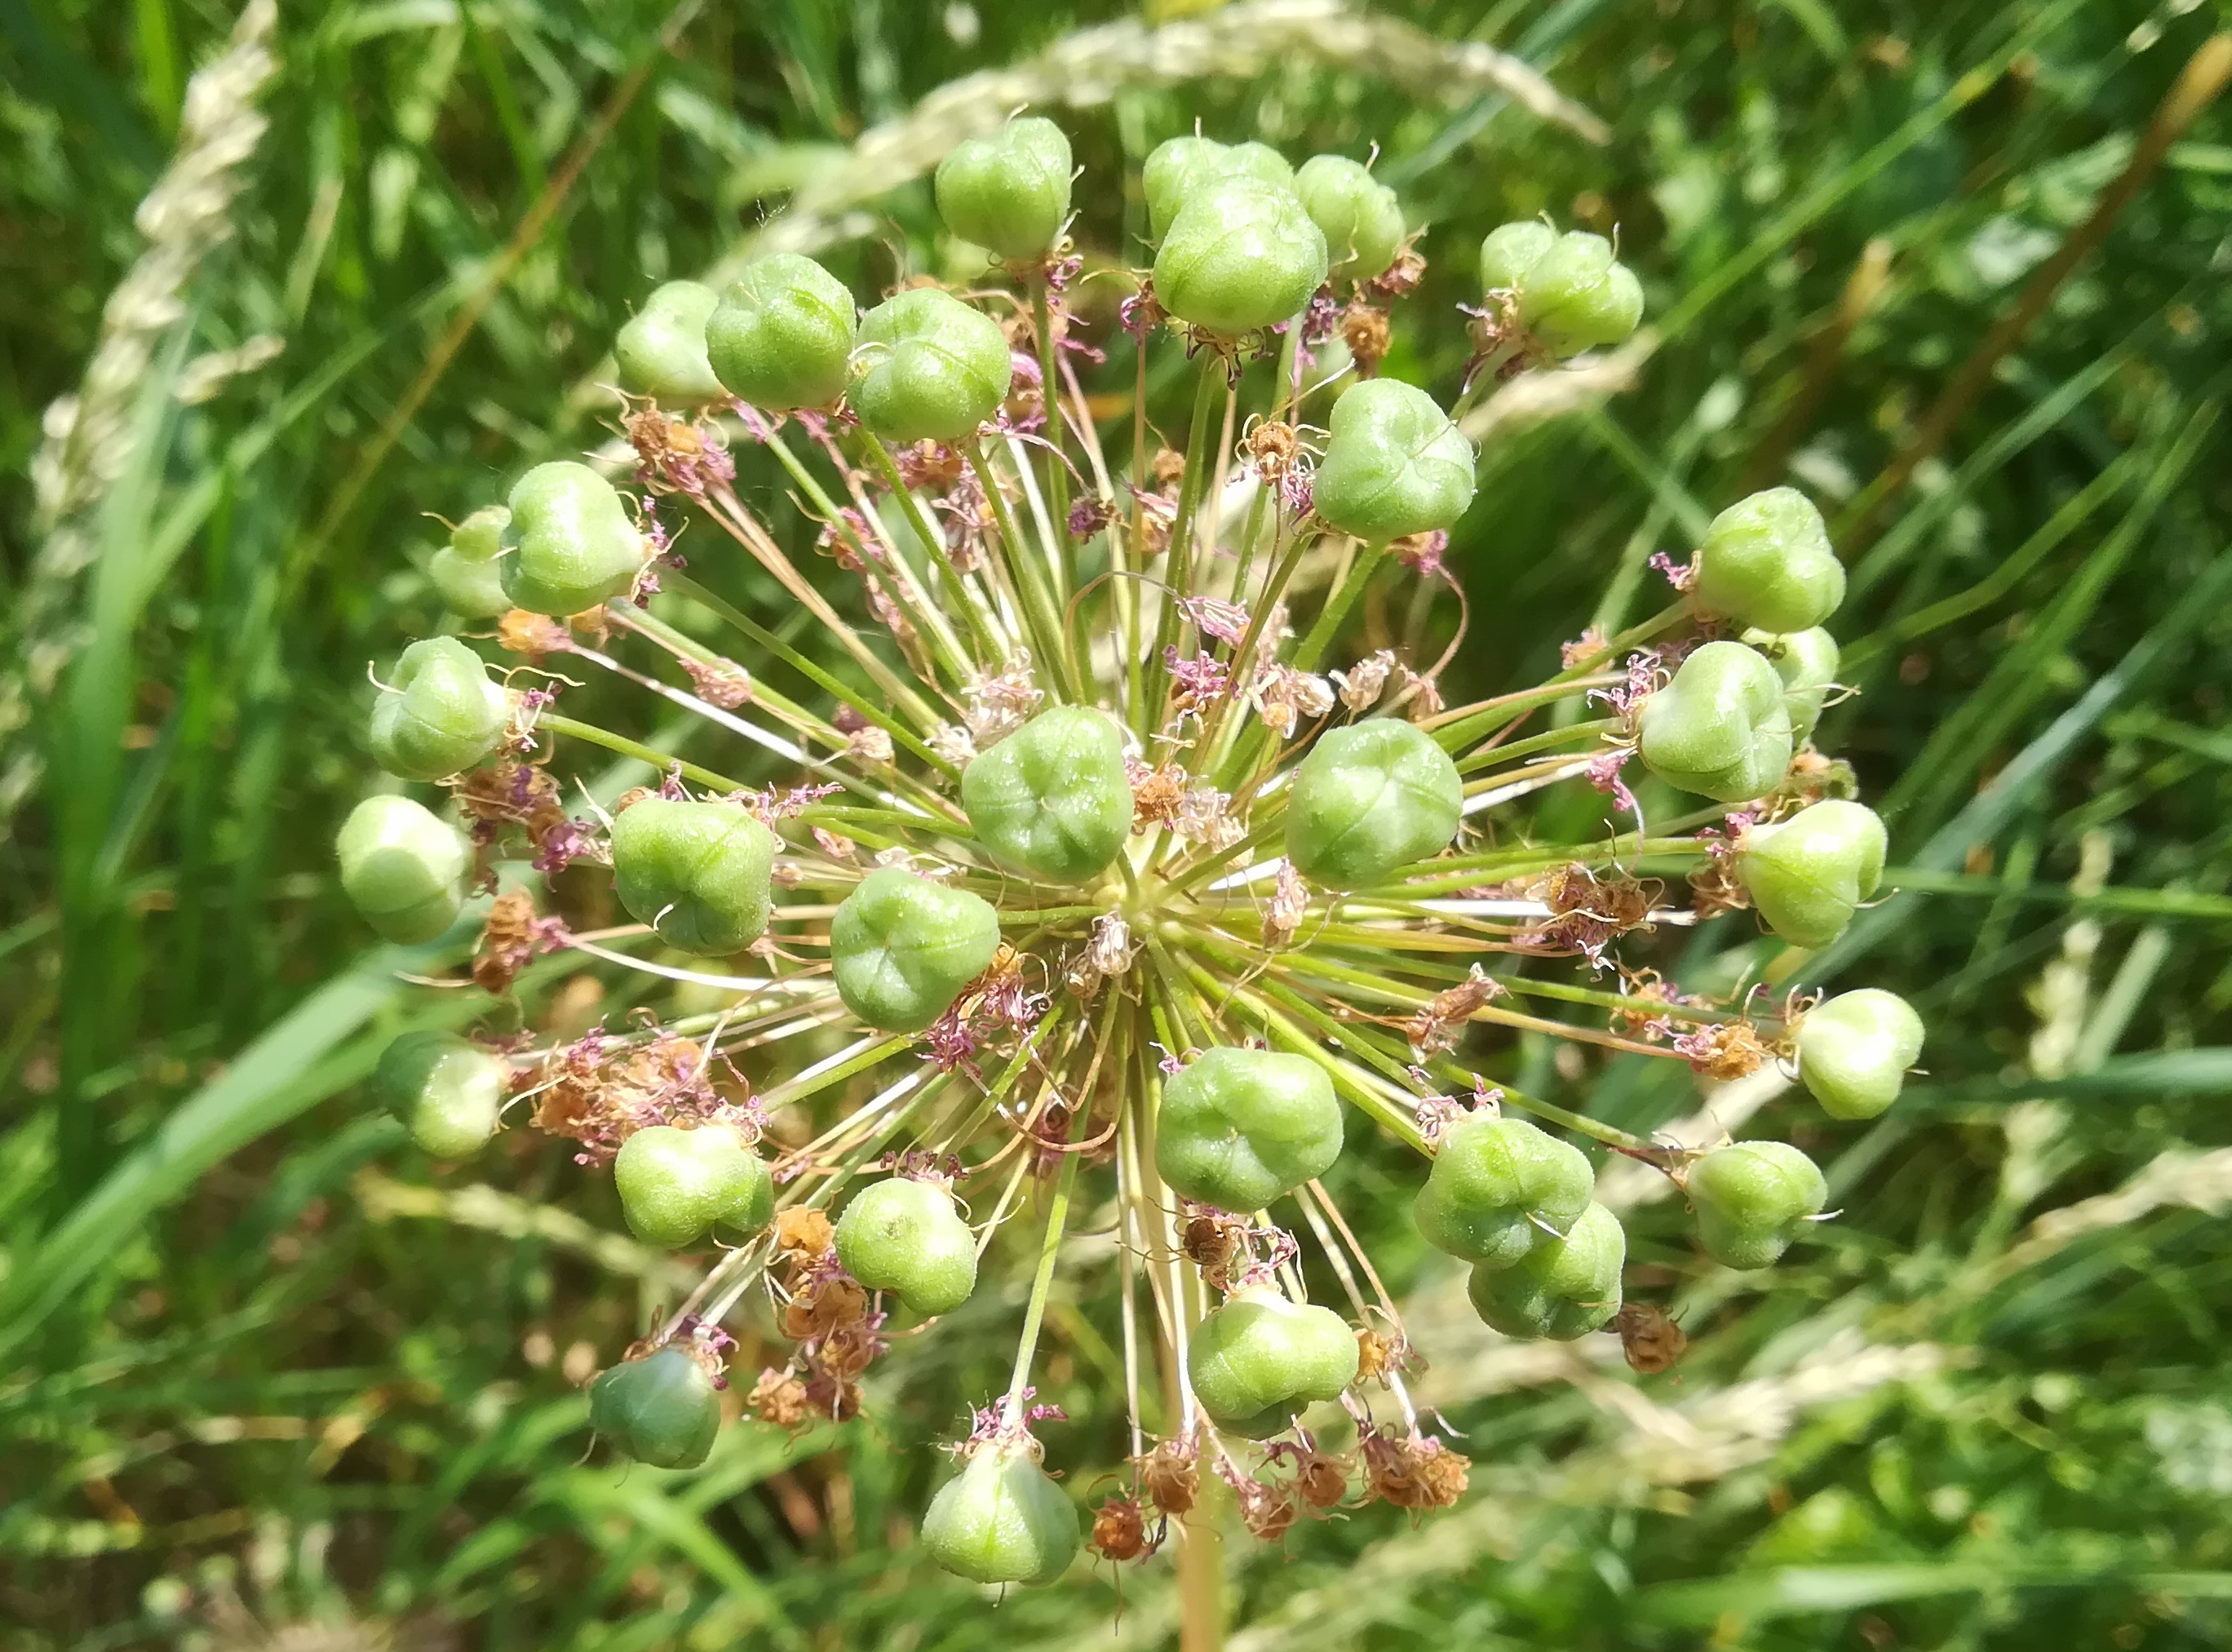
pixel 532 634
pixel 1171 1475
pixel 1439 1025
pixel 778 1397
pixel 1648 1336
pixel 507 943
pixel 1589 910
pixel 1413 1472
pixel 1320 1480
pixel 1364 328
pixel 1119 1531
pixel 804 1233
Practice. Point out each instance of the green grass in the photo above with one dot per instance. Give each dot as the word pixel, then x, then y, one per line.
pixel 257 1357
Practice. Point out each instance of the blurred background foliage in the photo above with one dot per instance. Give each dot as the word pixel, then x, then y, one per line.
pixel 268 1379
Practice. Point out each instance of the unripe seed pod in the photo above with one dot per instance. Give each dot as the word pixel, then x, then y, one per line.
pixel 1394 465
pixel 576 549
pixel 466 573
pixel 1500 1189
pixel 1240 1127
pixel 1052 801
pixel 936 368
pixel 1370 798
pixel 1806 663
pixel 662 1410
pixel 444 715
pixel 1561 1289
pixel 906 1237
pixel 1002 1519
pixel 1752 1199
pixel 661 351
pixel 1258 1359
pixel 1008 193
pixel 1722 727
pixel 1767 561
pixel 782 337
pixel 1239 255
pixel 447 1090
pixel 676 1185
pixel 698 873
pixel 1809 874
pixel 1854 1050
pixel 902 948
pixel 1360 216
pixel 1512 249
pixel 1577 296
pixel 403 868
pixel 1179 168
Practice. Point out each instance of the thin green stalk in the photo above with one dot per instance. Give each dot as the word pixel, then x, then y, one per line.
pixel 1336 610
pixel 1041 615
pixel 982 630
pixel 1178 565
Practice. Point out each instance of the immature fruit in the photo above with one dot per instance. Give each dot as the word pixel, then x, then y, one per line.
pixel 444 715
pixel 1360 218
pixel 403 868
pixel 1240 1127
pixel 1008 193
pixel 1180 168
pixel 1240 256
pixel 466 573
pixel 1806 663
pixel 906 1237
pixel 698 873
pixel 1510 250
pixel 676 1185
pixel 661 351
pixel 1002 1519
pixel 936 369
pixel 1370 798
pixel 1752 1199
pixel 1722 727
pixel 782 337
pixel 1766 562
pixel 1562 1288
pixel 1577 296
pixel 576 548
pixel 1258 1359
pixel 1394 465
pixel 448 1091
pixel 1809 874
pixel 902 948
pixel 662 1410
pixel 1052 801
pixel 1500 1189
pixel 1854 1050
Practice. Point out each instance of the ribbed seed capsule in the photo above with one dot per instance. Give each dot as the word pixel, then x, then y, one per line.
pixel 1240 256
pixel 576 548
pixel 403 868
pixel 1179 168
pixel 448 1091
pixel 1561 1289
pixel 662 1410
pixel 1394 464
pixel 439 713
pixel 1510 250
pixel 1258 1359
pixel 1807 662
pixel 1002 1519
pixel 698 873
pixel 1722 727
pixel 1238 1127
pixel 1853 1050
pixel 465 572
pixel 902 947
pixel 781 336
pixel 905 1236
pixel 676 1185
pixel 932 368
pixel 1500 1189
pixel 1577 296
pixel 1752 1199
pixel 1369 800
pixel 1007 192
pixel 1052 801
pixel 1766 562
pixel 1808 875
pixel 660 353
pixel 1360 218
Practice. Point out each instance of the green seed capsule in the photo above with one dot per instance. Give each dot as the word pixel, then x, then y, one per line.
pixel 1257 1360
pixel 576 549
pixel 1577 296
pixel 1178 168
pixel 1722 727
pixel 1510 251
pixel 1561 1289
pixel 1240 1127
pixel 466 573
pixel 676 1185
pixel 1240 256
pixel 1767 561
pixel 1500 1189
pixel 1854 1050
pixel 1809 874
pixel 1009 192
pixel 1752 1199
pixel 1052 801
pixel 902 948
pixel 906 1237
pixel 936 369
pixel 403 868
pixel 443 715
pixel 1002 1519
pixel 662 1410
pixel 1806 663
pixel 1395 464
pixel 1360 218
pixel 697 872
pixel 782 337
pixel 661 351
pixel 447 1090
pixel 1371 799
